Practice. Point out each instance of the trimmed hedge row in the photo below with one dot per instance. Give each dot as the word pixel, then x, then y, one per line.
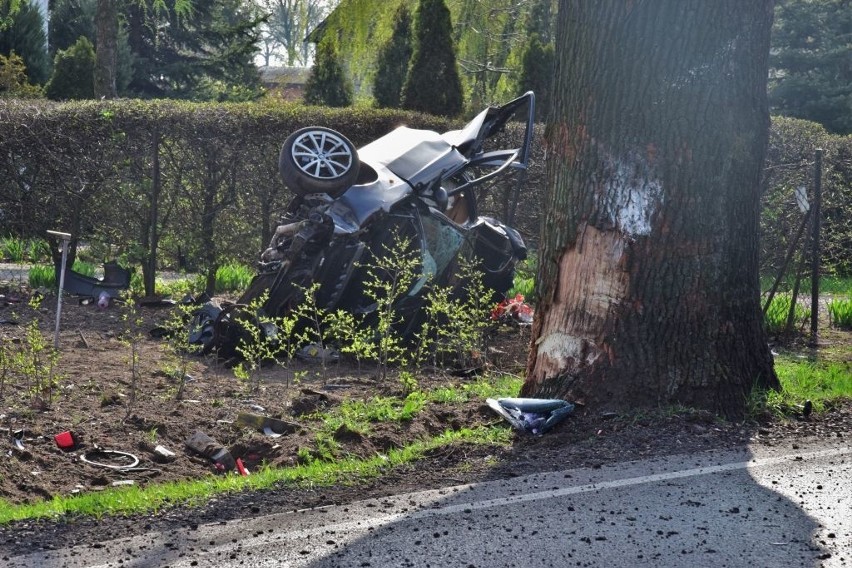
pixel 194 185
pixel 203 175
pixel 789 165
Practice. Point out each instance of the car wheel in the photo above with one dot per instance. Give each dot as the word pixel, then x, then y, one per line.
pixel 318 160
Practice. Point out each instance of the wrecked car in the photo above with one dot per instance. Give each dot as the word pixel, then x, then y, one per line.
pixel 352 204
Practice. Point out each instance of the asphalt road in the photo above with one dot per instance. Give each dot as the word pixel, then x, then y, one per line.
pixel 776 507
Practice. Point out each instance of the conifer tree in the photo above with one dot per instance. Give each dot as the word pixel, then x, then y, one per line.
pixel 811 62
pixel 327 84
pixel 433 84
pixel 536 73
pixel 73 72
pixel 392 63
pixel 25 37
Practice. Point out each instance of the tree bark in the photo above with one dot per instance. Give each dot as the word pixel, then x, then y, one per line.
pixel 106 50
pixel 648 283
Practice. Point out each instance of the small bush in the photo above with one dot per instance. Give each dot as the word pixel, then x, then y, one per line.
pixel 840 313
pixel 44 275
pixel 13 249
pixel 233 277
pixel 14 82
pixel 524 282
pixel 84 268
pixel 523 285
pixel 778 312
pixel 178 288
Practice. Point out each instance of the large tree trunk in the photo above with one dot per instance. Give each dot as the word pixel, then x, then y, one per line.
pixel 648 282
pixel 106 54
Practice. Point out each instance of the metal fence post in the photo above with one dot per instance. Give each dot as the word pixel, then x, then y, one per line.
pixel 65 238
pixel 815 243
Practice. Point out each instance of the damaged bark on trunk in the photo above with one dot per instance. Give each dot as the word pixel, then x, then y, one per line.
pixel 648 282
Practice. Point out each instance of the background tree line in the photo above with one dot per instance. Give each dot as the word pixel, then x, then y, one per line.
pixel 444 56
pixel 500 48
pixel 158 49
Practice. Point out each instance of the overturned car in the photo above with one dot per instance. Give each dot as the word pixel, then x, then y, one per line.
pixel 353 205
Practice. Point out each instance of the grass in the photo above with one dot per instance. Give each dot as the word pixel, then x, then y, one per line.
pixel 823 383
pixel 131 500
pixel 358 416
pixel 231 277
pixel 495 386
pixel 319 467
pixel 44 275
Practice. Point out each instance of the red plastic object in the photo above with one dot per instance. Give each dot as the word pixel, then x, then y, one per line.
pixel 65 440
pixel 241 468
pixel 514 309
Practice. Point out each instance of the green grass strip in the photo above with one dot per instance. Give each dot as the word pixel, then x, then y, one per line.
pixel 360 415
pixel 130 500
pixel 820 383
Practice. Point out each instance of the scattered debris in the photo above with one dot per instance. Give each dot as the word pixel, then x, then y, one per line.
pixel 121 482
pixel 533 415
pixel 66 440
pixel 18 440
pixel 83 338
pixel 157 302
pixel 116 279
pixel 202 326
pixel 513 310
pixel 100 453
pixel 269 426
pixel 315 353
pixel 313 401
pixel 8 301
pixel 103 300
pixel 163 454
pixel 206 446
pixel 241 468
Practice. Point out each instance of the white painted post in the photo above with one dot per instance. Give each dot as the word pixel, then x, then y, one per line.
pixel 65 238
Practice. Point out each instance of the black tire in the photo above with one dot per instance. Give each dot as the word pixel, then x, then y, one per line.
pixel 318 160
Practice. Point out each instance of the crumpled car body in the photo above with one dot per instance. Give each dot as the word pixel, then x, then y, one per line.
pixel 419 186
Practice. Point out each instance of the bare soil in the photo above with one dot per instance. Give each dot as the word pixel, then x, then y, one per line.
pixel 92 400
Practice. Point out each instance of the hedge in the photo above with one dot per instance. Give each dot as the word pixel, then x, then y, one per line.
pixel 205 175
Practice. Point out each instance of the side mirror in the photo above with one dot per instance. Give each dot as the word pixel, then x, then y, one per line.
pixel 439 195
